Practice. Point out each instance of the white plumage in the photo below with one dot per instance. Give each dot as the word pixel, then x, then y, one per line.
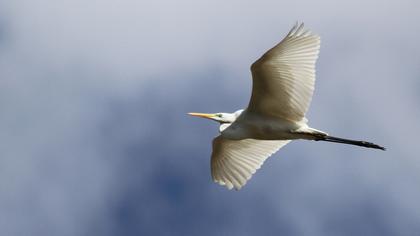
pixel 284 77
pixel 233 162
pixel 283 84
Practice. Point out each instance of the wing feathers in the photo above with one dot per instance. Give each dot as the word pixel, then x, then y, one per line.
pixel 284 77
pixel 233 162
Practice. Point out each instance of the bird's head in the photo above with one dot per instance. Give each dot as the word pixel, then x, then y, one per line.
pixel 219 117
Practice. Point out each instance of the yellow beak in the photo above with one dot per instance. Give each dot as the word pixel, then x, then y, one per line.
pixel 203 115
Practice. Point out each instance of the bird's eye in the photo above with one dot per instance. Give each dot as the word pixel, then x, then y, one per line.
pixel 219 115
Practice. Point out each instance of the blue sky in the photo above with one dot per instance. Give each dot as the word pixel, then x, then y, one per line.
pixel 95 138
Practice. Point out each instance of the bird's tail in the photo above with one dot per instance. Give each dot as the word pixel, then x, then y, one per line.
pixel 328 138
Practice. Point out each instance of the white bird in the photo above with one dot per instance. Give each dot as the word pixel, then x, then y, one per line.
pixel 283 84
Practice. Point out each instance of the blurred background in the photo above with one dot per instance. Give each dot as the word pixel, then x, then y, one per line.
pixel 95 140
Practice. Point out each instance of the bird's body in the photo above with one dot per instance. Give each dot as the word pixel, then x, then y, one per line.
pixel 256 126
pixel 283 84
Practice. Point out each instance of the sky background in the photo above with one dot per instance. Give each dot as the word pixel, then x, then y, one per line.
pixel 95 140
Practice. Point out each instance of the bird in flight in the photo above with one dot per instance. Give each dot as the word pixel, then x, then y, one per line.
pixel 282 86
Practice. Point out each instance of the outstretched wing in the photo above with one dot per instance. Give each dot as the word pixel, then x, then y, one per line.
pixel 233 162
pixel 284 77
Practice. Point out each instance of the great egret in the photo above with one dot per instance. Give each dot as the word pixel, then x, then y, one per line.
pixel 283 83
